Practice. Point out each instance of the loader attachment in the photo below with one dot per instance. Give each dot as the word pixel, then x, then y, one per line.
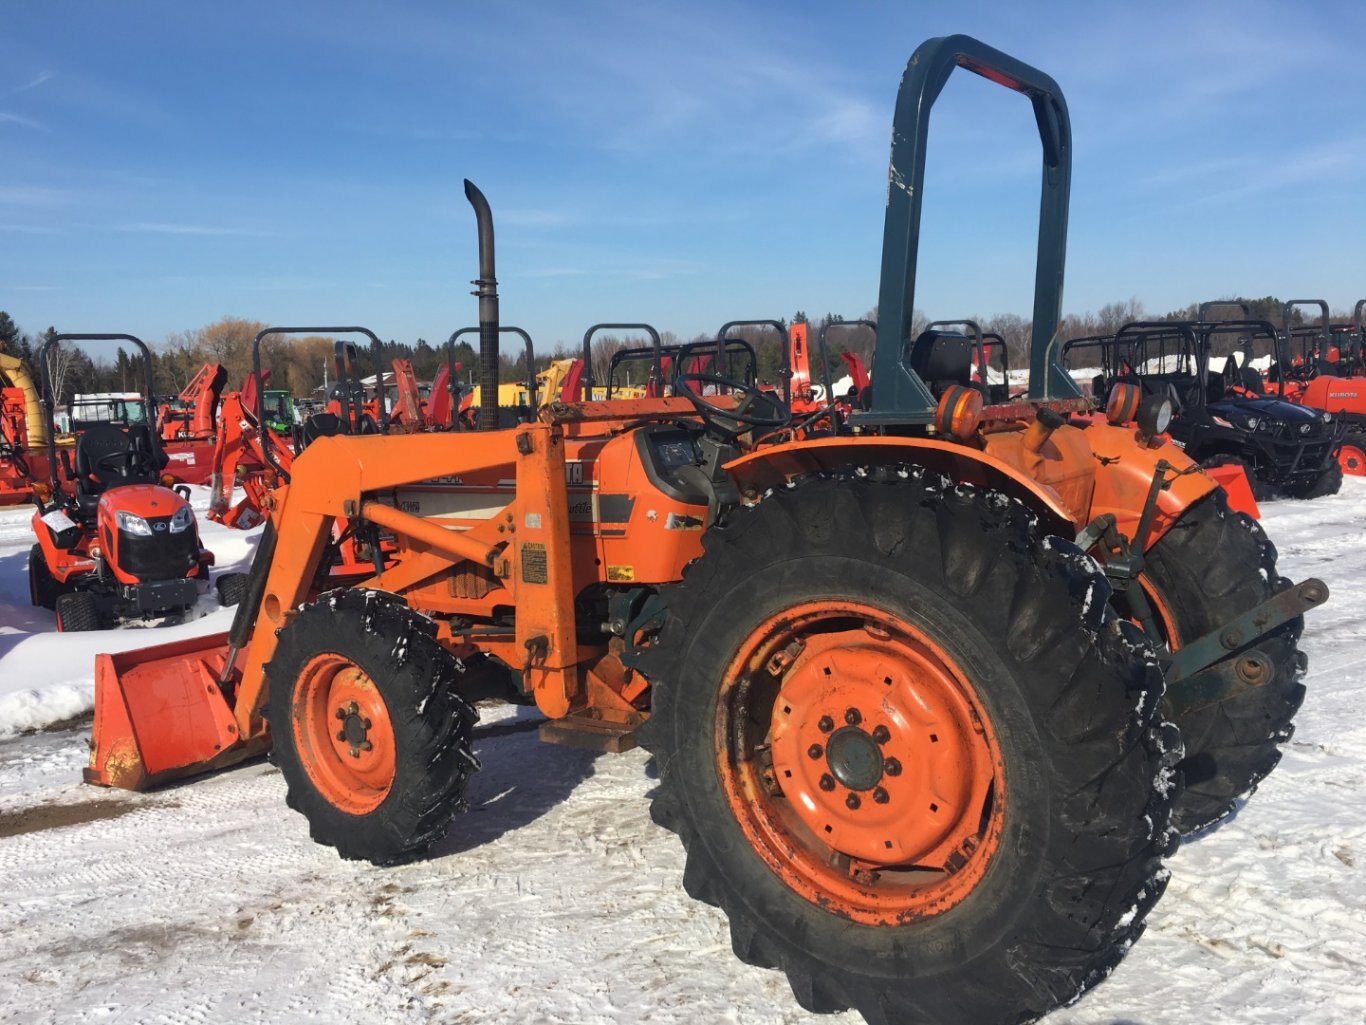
pixel 160 714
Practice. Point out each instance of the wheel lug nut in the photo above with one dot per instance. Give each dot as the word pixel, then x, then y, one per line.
pixel 341 713
pixel 815 750
pixel 880 796
pixel 882 734
pixel 826 724
pixel 891 767
pixel 355 752
pixel 365 724
pixel 365 745
pixel 341 734
pixel 853 717
pixel 852 802
pixel 827 782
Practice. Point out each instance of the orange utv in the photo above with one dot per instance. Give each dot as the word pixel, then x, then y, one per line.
pixel 930 698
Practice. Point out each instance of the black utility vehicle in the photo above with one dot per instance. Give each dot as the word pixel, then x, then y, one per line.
pixel 1227 415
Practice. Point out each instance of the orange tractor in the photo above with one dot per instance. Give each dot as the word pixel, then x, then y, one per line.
pixel 113 541
pixel 917 696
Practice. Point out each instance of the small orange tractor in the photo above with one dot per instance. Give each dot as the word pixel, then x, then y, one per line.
pixel 113 542
pixel 917 695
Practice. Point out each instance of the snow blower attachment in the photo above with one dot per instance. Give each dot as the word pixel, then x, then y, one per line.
pixel 919 746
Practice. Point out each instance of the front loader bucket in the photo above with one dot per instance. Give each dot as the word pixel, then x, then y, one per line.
pixel 160 715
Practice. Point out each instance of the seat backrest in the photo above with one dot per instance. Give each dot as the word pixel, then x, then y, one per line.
pixel 322 425
pixel 942 359
pixel 99 442
pixel 1215 387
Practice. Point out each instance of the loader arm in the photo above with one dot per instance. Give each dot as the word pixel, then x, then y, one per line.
pixel 526 543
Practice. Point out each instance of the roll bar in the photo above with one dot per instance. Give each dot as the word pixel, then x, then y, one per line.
pixel 502 330
pixel 344 356
pixel 898 396
pixel 49 400
pixel 590 382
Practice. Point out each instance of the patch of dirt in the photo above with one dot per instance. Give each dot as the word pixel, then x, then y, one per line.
pixel 55 816
pixel 75 722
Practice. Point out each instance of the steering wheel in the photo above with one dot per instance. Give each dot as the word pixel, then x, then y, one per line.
pixel 121 463
pixel 756 408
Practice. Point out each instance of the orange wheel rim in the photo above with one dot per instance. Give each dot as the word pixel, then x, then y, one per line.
pixel 853 754
pixel 343 734
pixel 1352 460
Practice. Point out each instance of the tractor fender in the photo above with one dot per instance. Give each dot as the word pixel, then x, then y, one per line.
pixel 775 465
pixel 1123 467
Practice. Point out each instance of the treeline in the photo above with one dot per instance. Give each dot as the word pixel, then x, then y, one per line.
pixel 303 365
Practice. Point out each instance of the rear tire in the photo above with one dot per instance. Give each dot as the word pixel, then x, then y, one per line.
pixel 1067 861
pixel 232 588
pixel 1211 566
pixel 375 660
pixel 77 612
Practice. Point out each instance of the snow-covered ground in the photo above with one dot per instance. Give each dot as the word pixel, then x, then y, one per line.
pixel 556 899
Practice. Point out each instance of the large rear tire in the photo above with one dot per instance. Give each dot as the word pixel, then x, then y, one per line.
pixel 1210 567
pixel 911 751
pixel 367 726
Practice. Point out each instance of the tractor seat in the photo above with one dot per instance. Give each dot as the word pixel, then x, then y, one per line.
pixel 942 359
pixel 322 425
pixel 99 466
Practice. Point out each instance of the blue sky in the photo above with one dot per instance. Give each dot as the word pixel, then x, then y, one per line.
pixel 165 164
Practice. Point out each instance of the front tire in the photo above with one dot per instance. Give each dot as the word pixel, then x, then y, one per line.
pixel 1351 454
pixel 1028 813
pixel 77 612
pixel 43 587
pixel 367 726
pixel 1329 482
pixel 1210 567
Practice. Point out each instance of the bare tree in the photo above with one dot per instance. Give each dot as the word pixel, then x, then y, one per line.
pixel 59 362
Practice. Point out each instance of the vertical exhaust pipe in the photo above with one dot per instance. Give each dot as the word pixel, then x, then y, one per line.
pixel 486 288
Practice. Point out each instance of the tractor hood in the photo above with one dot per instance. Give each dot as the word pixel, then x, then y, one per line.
pixel 149 501
pixel 1268 411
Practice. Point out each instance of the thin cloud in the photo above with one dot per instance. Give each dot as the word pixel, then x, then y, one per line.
pixel 35 82
pixel 34 196
pixel 6 118
pixel 163 228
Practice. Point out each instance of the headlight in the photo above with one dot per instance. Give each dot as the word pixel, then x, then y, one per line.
pixel 1154 415
pixel 133 524
pixel 1304 428
pixel 183 520
pixel 1251 423
pixel 1327 418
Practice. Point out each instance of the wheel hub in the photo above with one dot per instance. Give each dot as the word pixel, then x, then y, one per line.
pixel 343 733
pixel 355 729
pixel 874 747
pixel 854 758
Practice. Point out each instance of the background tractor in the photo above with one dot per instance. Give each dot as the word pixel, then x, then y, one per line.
pixel 115 544
pixel 914 739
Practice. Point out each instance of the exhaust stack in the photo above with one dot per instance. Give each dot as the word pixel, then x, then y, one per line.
pixel 486 288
